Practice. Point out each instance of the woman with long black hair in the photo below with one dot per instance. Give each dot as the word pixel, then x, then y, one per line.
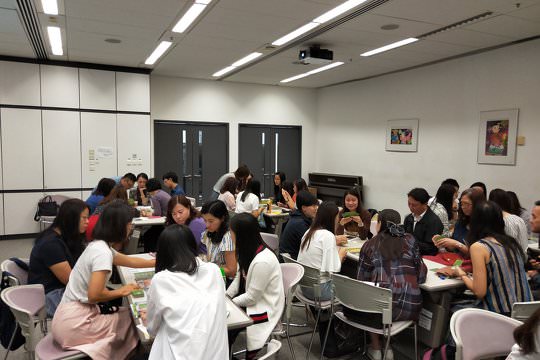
pixel 260 274
pixel 247 201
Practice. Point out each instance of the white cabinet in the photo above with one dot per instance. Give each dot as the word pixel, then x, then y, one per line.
pixel 61 149
pixel 86 194
pixel 59 86
pixel 22 162
pixel 19 210
pixel 98 144
pixel 69 194
pixel 133 92
pixel 133 143
pixel 19 83
pixel 97 89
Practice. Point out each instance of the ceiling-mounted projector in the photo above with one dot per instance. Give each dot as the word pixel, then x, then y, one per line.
pixel 315 55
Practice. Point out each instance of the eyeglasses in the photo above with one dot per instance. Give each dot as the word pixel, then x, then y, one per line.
pixel 463 203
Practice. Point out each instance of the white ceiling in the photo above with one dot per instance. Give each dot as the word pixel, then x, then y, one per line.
pixel 231 29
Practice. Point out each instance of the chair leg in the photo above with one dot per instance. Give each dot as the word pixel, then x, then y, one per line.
pixel 364 352
pixel 326 335
pixel 11 340
pixel 313 333
pixel 415 342
pixel 289 341
pixel 387 345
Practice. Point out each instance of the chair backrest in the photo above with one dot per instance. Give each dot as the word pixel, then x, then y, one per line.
pixel 363 296
pixel 523 310
pixel 271 240
pixel 481 333
pixel 311 278
pixel 19 276
pixel 27 303
pixel 273 347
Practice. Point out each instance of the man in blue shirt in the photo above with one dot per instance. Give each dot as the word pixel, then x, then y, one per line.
pixel 170 180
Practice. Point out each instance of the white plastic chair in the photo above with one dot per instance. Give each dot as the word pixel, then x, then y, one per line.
pixel 291 274
pixel 523 310
pixel 365 297
pixel 17 276
pixel 48 349
pixel 271 240
pixel 273 347
pixel 27 303
pixel 480 333
pixel 310 280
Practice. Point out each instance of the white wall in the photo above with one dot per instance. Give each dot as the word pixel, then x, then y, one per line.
pixel 447 98
pixel 233 103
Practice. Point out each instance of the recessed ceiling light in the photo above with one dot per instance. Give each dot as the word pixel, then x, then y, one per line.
pixel 189 17
pixel 224 71
pixel 113 41
pixel 156 54
pixel 390 27
pixel 246 59
pixel 50 7
pixel 296 33
pixel 55 39
pixel 389 47
pixel 338 10
pixel 312 72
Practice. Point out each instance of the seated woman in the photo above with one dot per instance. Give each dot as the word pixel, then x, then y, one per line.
pixel 260 276
pixel 392 260
pixel 197 324
pixel 56 251
pixel 217 237
pixel 458 243
pixel 247 201
pixel 181 212
pixel 103 189
pixel 298 185
pixel 279 179
pixel 527 336
pixel 78 323
pixel 514 226
pixel 228 193
pixel 499 278
pixel 142 193
pixel 443 206
pixel 355 225
pixel 158 198
pixel 520 211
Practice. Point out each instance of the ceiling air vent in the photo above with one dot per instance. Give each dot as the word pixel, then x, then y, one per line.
pixel 457 24
pixel 29 20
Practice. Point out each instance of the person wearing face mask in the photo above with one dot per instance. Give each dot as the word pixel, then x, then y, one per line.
pixel 181 212
pixel 299 222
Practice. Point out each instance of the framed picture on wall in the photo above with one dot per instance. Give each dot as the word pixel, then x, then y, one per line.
pixel 402 135
pixel 497 136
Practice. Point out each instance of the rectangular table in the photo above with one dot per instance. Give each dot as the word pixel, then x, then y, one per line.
pixel 278 219
pixel 236 318
pixel 140 225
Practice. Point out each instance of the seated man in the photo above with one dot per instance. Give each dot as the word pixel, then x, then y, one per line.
pixel 298 224
pixel 170 180
pixel 422 222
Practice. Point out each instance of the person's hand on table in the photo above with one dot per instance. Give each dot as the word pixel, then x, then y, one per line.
pixel 344 221
pixel 128 289
pixel 280 204
pixel 458 272
pixel 446 271
pixel 341 240
pixel 358 220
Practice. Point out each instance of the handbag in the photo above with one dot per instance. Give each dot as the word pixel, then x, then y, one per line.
pixel 46 207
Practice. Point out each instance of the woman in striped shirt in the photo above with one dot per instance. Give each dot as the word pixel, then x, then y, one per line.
pixel 499 278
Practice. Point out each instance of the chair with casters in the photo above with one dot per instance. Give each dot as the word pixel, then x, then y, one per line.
pixel 468 328
pixel 17 275
pixel 291 273
pixel 523 310
pixel 27 303
pixel 272 349
pixel 48 349
pixel 312 279
pixel 365 297
pixel 271 240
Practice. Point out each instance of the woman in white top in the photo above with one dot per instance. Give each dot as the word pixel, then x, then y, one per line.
pixel 443 206
pixel 227 193
pixel 319 249
pixel 247 201
pixel 260 273
pixel 186 302
pixel 217 238
pixel 527 336
pixel 78 323
pixel 514 226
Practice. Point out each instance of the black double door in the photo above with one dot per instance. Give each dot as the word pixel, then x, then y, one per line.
pixel 197 152
pixel 267 149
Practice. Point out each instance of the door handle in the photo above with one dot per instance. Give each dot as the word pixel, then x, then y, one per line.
pixel 187 176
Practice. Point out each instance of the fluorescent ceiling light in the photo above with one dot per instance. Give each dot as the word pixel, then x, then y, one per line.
pixel 194 11
pixel 246 59
pixel 224 71
pixel 205 2
pixel 55 39
pixel 338 10
pixel 156 54
pixel 296 33
pixel 50 7
pixel 389 47
pixel 314 71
